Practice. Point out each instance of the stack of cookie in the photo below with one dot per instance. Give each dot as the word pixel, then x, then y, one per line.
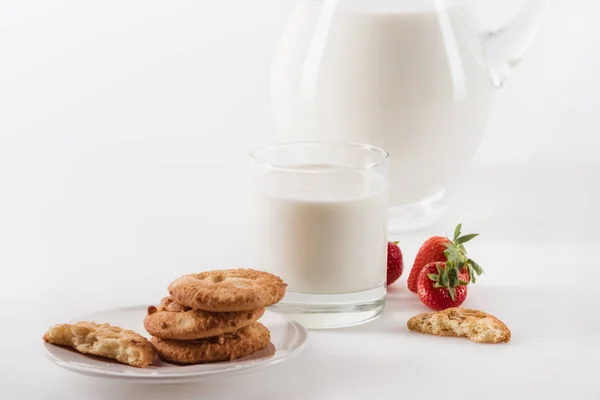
pixel 213 316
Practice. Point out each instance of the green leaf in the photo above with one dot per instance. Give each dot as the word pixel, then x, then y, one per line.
pixel 452 254
pixel 396 242
pixel 444 279
pixel 466 238
pixel 453 282
pixel 439 268
pixel 434 277
pixel 479 269
pixel 475 266
pixel 438 285
pixel 452 293
pixel 462 283
pixel 457 231
pixel 450 249
pixel 452 272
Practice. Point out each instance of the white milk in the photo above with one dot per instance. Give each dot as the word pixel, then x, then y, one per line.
pixel 411 81
pixel 323 232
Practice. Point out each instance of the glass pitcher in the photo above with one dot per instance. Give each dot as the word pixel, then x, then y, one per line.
pixel 414 77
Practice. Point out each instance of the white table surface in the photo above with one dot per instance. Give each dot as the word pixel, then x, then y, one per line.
pixel 124 129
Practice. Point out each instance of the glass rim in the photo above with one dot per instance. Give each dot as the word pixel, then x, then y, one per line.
pixel 255 155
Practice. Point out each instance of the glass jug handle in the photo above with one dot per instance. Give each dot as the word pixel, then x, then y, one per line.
pixel 505 47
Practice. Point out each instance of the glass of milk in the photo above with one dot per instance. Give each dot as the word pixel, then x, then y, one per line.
pixel 321 212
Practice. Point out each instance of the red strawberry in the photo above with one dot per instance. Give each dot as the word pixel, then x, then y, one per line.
pixel 441 249
pixel 440 285
pixel 431 251
pixel 395 265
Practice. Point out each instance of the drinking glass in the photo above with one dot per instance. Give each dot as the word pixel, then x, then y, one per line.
pixel 321 214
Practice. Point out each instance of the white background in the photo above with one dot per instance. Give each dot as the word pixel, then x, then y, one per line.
pixel 124 133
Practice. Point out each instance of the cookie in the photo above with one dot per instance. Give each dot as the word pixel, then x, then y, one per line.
pixel 475 325
pixel 103 340
pixel 228 346
pixel 174 321
pixel 228 290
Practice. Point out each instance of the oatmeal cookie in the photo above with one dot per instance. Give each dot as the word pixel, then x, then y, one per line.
pixel 174 321
pixel 228 346
pixel 472 324
pixel 103 340
pixel 228 290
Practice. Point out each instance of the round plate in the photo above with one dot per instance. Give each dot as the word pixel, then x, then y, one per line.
pixel 288 338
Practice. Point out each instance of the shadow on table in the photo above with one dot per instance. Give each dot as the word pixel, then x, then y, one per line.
pixel 300 378
pixel 400 305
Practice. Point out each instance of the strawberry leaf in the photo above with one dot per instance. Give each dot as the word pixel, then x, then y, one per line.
pixel 466 238
pixel 452 276
pixel 462 283
pixel 456 254
pixel 434 277
pixel 439 269
pixel 448 253
pixel 453 281
pixel 452 292
pixel 452 253
pixel 475 266
pixel 457 232
pixel 444 279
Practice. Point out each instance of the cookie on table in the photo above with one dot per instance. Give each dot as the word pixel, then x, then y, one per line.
pixel 228 346
pixel 175 321
pixel 228 290
pixel 475 325
pixel 103 340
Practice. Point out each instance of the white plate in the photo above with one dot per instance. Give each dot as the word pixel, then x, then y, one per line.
pixel 288 338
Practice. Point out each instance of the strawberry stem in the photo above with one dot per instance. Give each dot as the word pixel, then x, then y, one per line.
pixel 456 253
pixel 447 277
